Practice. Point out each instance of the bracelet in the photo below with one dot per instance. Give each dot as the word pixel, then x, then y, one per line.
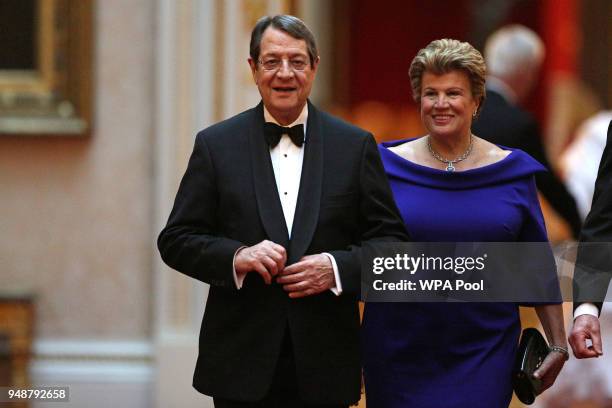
pixel 560 349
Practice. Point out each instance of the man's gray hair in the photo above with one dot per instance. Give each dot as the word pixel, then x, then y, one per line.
pixel 513 49
pixel 290 25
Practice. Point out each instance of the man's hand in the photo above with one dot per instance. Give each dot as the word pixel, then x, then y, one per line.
pixel 265 258
pixel 586 327
pixel 311 275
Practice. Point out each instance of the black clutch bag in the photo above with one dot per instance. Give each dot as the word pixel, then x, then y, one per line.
pixel 531 353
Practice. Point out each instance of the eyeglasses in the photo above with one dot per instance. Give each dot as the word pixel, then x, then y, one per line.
pixel 274 64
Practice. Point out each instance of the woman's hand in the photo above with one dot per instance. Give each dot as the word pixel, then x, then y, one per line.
pixel 550 368
pixel 551 317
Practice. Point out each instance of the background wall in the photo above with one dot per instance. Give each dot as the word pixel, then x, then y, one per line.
pixel 76 227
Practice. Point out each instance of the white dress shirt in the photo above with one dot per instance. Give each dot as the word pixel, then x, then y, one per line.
pixel 287 160
pixel 580 160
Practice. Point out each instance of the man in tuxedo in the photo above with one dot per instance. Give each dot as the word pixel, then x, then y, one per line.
pixel 271 212
pixel 594 262
pixel 514 55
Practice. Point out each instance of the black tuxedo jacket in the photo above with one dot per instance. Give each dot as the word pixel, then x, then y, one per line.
pixel 594 260
pixel 227 199
pixel 504 124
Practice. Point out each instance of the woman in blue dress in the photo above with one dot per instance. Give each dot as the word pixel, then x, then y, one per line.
pixel 452 186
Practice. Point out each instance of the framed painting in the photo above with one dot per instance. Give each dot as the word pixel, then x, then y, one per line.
pixel 45 67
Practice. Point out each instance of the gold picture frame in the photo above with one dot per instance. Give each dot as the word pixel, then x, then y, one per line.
pixel 54 97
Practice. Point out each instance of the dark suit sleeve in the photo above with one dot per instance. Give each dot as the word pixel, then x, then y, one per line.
pixel 379 217
pixel 190 242
pixel 594 260
pixel 548 183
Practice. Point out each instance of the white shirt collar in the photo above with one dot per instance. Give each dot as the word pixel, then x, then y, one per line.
pixel 499 86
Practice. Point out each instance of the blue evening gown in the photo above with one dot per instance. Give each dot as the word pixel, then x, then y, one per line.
pixel 451 355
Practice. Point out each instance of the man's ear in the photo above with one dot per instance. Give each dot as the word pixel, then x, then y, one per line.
pixel 253 66
pixel 315 64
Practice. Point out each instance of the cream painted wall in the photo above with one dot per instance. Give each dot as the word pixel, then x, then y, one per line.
pixel 77 214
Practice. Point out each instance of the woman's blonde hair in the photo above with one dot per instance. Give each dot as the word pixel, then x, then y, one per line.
pixel 445 55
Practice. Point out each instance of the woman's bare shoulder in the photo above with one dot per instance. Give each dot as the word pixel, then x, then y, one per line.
pixel 491 153
pixel 408 150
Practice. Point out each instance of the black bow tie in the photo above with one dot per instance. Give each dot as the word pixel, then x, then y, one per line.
pixel 274 132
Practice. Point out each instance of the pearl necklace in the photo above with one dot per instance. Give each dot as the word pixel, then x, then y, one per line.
pixel 449 163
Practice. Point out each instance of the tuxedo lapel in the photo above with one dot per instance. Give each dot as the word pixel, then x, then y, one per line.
pixel 309 196
pixel 268 202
